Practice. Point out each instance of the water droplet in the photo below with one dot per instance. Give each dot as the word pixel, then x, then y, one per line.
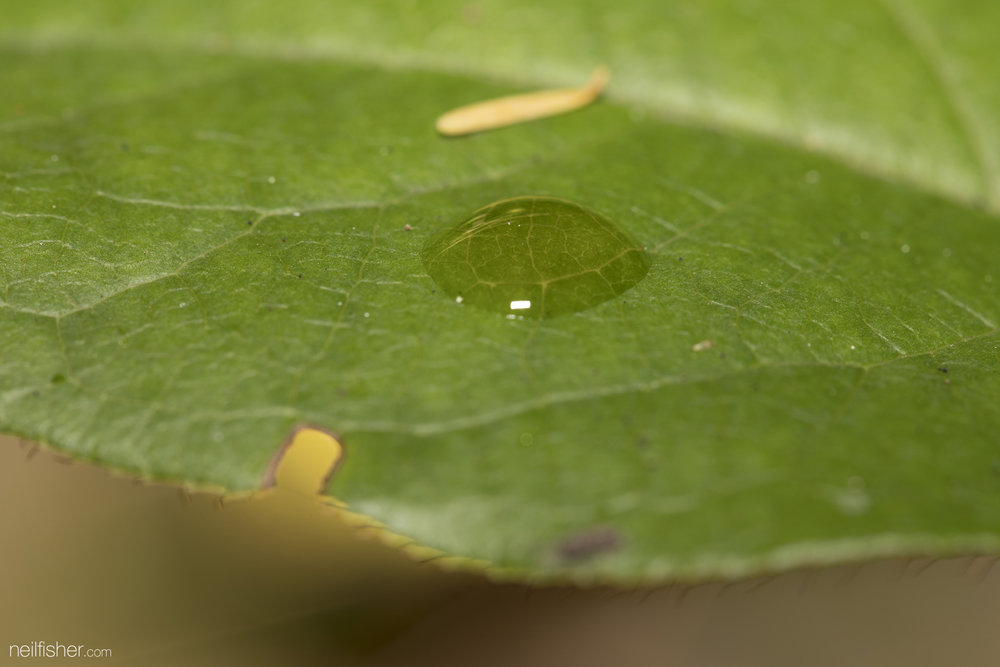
pixel 535 256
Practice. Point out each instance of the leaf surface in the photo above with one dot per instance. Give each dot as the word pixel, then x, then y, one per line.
pixel 204 238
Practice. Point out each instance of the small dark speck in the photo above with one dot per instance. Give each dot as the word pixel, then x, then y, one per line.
pixel 680 259
pixel 590 542
pixel 249 222
pixel 943 369
pixel 282 239
pixel 434 291
pixel 300 275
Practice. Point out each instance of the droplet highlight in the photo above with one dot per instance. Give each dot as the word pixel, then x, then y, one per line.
pixel 535 257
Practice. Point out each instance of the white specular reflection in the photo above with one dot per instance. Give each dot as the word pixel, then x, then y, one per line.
pixel 520 305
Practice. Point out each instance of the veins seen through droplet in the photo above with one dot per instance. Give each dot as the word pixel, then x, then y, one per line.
pixel 535 256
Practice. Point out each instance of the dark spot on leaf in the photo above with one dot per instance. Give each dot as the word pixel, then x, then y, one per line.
pixel 943 369
pixel 300 275
pixel 282 239
pixel 472 13
pixel 249 222
pixel 58 378
pixel 589 543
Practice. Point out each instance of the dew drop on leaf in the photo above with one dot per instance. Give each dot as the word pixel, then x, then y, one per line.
pixel 535 257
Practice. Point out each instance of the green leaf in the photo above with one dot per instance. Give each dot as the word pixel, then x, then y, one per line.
pixel 211 227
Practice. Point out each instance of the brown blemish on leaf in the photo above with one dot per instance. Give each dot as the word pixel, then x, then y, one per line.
pixel 589 543
pixel 305 461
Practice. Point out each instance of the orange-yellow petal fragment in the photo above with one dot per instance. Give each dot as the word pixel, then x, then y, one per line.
pixel 504 111
pixel 306 461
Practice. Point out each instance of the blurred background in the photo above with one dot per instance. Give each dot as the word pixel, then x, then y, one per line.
pixel 164 577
